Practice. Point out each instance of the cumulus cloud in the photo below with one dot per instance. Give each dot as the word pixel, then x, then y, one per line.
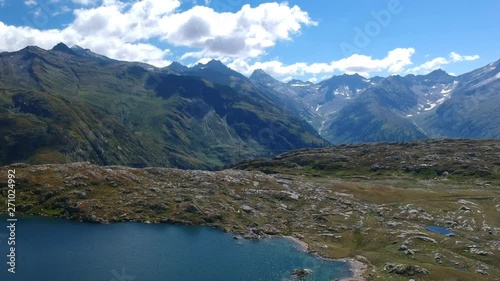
pixel 19 37
pixel 30 2
pixel 84 2
pixel 244 34
pixel 121 29
pixel 438 62
pixel 454 57
pixel 395 62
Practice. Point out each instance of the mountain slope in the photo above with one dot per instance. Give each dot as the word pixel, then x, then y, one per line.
pixel 213 118
pixel 163 119
pixel 283 94
pixel 38 127
pixel 377 115
pixel 472 109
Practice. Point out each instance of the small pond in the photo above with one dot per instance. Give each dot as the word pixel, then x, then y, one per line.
pixel 440 230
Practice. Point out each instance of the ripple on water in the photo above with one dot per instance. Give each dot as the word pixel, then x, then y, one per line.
pixel 56 249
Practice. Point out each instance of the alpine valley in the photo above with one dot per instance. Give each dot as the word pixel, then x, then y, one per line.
pixel 399 175
pixel 70 104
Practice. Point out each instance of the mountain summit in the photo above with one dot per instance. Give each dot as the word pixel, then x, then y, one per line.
pixel 61 47
pixel 177 67
pixel 262 76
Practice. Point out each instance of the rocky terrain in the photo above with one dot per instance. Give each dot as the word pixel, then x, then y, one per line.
pixel 422 159
pixel 368 203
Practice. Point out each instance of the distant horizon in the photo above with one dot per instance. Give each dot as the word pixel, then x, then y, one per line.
pixel 249 75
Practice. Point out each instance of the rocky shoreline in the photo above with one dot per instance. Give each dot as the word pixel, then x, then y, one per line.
pixel 358 268
pixel 303 246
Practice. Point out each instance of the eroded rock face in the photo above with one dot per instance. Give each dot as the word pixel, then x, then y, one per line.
pixel 482 268
pixel 405 269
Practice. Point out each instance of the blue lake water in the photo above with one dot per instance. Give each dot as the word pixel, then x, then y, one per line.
pixel 438 229
pixel 49 249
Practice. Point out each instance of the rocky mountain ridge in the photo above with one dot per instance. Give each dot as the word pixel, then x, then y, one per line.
pixel 438 109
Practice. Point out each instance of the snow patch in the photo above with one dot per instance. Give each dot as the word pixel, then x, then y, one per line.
pixel 446 91
pixel 321 127
pixel 420 128
pixel 432 105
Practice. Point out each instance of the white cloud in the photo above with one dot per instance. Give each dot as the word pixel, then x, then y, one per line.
pixel 438 62
pixel 454 57
pixel 84 2
pixel 313 79
pixel 65 9
pixel 118 29
pixel 395 62
pixel 19 37
pixel 471 58
pixel 428 66
pixel 244 34
pixel 115 19
pixel 30 2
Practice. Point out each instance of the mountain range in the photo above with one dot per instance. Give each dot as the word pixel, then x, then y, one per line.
pixel 70 104
pixel 355 109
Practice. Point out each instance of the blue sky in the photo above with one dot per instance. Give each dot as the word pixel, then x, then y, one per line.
pixel 309 40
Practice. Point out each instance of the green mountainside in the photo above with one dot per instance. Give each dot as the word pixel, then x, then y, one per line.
pixel 68 104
